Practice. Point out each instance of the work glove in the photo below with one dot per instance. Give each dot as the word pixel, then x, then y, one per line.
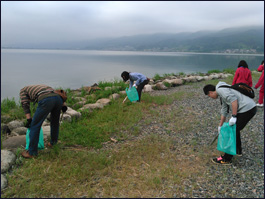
pixel 28 122
pixel 64 109
pixel 232 121
pixel 219 129
pixel 134 85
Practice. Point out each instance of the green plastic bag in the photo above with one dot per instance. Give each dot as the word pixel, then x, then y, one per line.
pixel 132 94
pixel 227 139
pixel 41 140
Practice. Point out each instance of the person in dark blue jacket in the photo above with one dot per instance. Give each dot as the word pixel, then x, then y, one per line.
pixel 136 79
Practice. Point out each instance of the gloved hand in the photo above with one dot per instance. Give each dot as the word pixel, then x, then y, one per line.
pixel 28 122
pixel 219 129
pixel 134 85
pixel 232 121
pixel 64 109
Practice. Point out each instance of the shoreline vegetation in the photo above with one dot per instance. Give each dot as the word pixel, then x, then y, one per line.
pixel 156 148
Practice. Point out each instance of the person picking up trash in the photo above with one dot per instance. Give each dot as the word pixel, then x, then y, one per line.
pixel 49 101
pixel 141 81
pixel 243 108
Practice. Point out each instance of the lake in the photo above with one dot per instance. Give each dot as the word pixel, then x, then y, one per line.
pixel 76 68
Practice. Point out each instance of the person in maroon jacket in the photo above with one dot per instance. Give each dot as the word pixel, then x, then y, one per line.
pixel 261 83
pixel 243 74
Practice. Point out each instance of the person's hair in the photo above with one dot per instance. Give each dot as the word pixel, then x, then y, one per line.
pixel 243 63
pixel 262 62
pixel 207 88
pixel 125 75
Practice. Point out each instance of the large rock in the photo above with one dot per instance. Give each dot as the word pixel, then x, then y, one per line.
pixel 114 96
pixel 8 158
pixel 47 131
pixel 92 106
pixel 176 82
pixel 15 124
pixel 14 142
pixel 147 88
pixel 73 113
pixel 104 101
pixel 19 131
pixel 161 86
pixel 3 182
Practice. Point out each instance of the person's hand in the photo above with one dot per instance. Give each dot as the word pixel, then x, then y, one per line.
pixel 219 129
pixel 28 122
pixel 134 85
pixel 232 121
pixel 64 109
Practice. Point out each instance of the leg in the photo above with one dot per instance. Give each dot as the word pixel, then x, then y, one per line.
pixel 261 94
pixel 140 88
pixel 242 120
pixel 41 113
pixel 55 117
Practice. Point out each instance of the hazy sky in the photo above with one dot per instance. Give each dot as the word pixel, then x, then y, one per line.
pixel 49 21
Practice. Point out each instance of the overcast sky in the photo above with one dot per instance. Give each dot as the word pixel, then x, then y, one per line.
pixel 50 21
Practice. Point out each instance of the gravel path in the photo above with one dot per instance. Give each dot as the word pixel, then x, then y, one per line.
pixel 244 178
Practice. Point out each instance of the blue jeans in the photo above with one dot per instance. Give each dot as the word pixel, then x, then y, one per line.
pixel 47 105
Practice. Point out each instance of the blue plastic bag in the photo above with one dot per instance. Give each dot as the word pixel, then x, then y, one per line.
pixel 132 94
pixel 227 139
pixel 41 140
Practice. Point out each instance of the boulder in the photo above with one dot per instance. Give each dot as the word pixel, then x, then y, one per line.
pixel 92 106
pixel 176 82
pixel 3 182
pixel 19 131
pixel 47 131
pixel 161 86
pixel 14 142
pixel 199 78
pixel 15 124
pixel 114 96
pixel 73 113
pixel 8 158
pixel 147 88
pixel 103 101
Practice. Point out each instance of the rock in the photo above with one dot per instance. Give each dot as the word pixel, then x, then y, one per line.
pixel 73 113
pixel 192 79
pixel 122 92
pixel 147 88
pixel 103 101
pixel 47 131
pixel 114 96
pixel 3 182
pixel 92 106
pixel 161 86
pixel 8 158
pixel 19 131
pixel 5 129
pixel 14 142
pixel 107 88
pixel 199 78
pixel 176 82
pixel 5 118
pixel 66 118
pixel 15 124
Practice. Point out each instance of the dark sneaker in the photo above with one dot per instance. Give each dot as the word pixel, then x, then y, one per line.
pixel 221 160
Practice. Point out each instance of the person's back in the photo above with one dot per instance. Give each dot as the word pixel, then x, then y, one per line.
pixel 243 75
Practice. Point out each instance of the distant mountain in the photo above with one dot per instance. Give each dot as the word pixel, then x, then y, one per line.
pixel 230 40
pixel 245 39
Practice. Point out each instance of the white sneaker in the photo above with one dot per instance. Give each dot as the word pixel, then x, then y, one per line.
pixel 260 105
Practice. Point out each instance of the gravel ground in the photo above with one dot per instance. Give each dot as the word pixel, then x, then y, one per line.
pixel 244 178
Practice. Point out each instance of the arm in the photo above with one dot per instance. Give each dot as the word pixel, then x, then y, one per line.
pixel 234 107
pixel 223 118
pixel 261 68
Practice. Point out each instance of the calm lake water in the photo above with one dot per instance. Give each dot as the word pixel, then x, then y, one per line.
pixel 76 68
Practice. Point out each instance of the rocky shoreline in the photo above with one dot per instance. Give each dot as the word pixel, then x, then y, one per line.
pixel 245 176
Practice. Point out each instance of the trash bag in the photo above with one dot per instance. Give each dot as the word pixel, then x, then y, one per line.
pixel 41 140
pixel 227 139
pixel 132 94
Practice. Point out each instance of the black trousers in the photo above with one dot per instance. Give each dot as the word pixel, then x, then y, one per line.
pixel 140 88
pixel 241 122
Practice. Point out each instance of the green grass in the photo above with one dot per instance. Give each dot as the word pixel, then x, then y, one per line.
pixel 78 166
